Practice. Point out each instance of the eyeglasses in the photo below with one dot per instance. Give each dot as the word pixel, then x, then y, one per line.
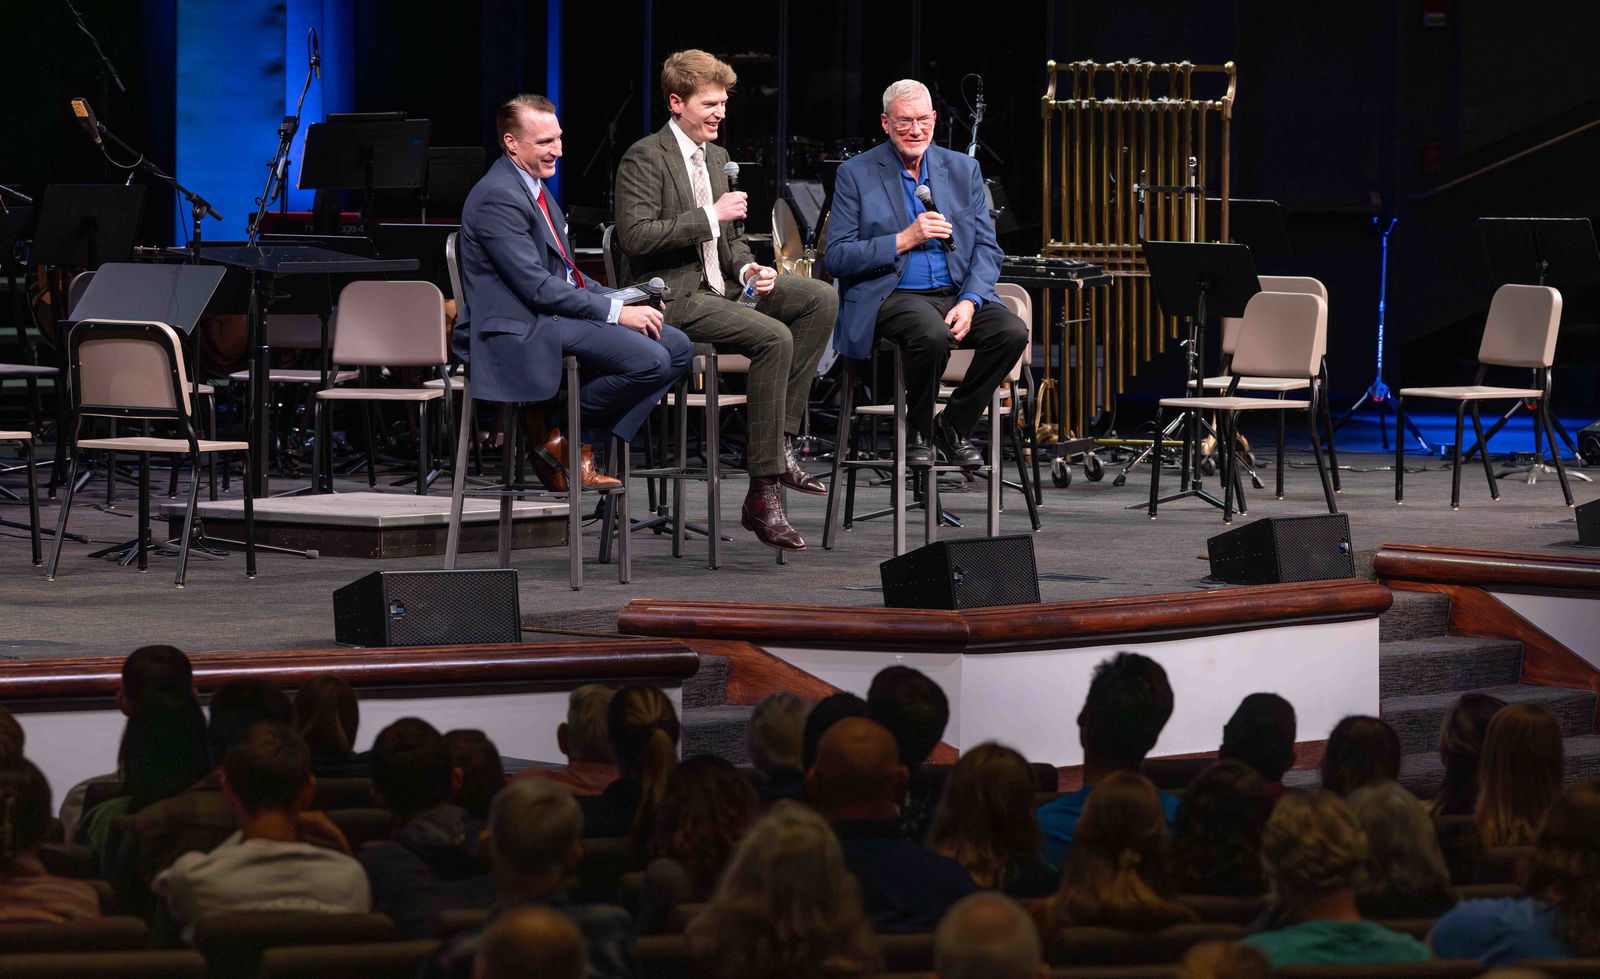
pixel 902 125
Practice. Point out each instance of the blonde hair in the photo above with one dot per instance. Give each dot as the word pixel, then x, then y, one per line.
pixel 1403 858
pixel 1224 960
pixel 986 818
pixel 686 72
pixel 643 730
pixel 1311 846
pixel 586 722
pixel 1519 774
pixel 777 731
pixel 1115 874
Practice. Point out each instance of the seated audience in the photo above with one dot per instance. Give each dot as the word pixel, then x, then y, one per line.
pixel 775 742
pixel 987 936
pixel 1560 917
pixel 1314 855
pixel 483 774
pixel 582 738
pixel 1519 774
pixel 1216 845
pixel 829 711
pixel 1460 745
pixel 326 716
pixel 1116 872
pixel 1128 704
pixel 1405 875
pixel 283 858
pixel 915 711
pixel 432 860
pixel 1261 734
pixel 707 806
pixel 986 822
pixel 1361 751
pixel 786 908
pixel 12 738
pixel 855 784
pixel 27 891
pixel 163 752
pixel 642 727
pixel 531 942
pixel 1224 960
pixel 535 844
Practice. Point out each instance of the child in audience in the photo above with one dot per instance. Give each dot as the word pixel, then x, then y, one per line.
pixel 786 908
pixel 915 711
pixel 1406 875
pixel 1261 734
pixel 27 892
pixel 987 822
pixel 1519 774
pixel 1460 745
pixel 643 729
pixel 326 716
pixel 163 753
pixel 1361 751
pixel 483 774
pixel 1216 844
pixel 776 744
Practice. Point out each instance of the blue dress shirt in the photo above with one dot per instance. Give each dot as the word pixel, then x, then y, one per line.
pixel 926 267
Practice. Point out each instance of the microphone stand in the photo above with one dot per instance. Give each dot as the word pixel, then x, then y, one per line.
pixel 199 207
pixel 608 146
pixel 977 120
pixel 99 53
pixel 277 170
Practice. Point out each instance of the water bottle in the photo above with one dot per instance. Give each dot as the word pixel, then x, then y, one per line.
pixel 747 296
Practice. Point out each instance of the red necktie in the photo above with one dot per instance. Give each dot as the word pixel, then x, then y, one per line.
pixel 577 277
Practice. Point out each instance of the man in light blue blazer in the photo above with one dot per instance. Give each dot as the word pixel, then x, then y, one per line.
pixel 912 243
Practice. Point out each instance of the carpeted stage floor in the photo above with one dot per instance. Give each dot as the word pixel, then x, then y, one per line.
pixel 1088 547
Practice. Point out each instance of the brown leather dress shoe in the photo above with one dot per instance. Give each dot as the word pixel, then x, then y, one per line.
pixel 763 515
pixel 552 472
pixel 795 477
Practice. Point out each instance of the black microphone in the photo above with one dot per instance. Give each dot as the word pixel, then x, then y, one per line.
pixel 316 55
pixel 86 119
pixel 926 197
pixel 731 171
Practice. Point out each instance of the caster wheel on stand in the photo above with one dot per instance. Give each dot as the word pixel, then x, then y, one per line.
pixel 1093 469
pixel 1060 474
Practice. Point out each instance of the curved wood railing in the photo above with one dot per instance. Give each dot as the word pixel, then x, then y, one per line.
pixel 535 665
pixel 1013 627
pixel 1485 569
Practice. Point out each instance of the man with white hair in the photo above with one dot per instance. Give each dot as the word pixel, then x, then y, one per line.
pixel 912 244
pixel 987 936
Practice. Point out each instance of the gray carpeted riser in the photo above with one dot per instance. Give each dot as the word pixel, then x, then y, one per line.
pixel 708 687
pixel 1414 615
pixel 1422 773
pixel 1417 719
pixel 717 730
pixel 1446 664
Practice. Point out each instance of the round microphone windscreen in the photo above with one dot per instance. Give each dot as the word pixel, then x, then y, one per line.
pixel 923 193
pixel 731 168
pixel 656 285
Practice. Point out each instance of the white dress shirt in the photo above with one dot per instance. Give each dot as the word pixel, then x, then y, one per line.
pixel 687 147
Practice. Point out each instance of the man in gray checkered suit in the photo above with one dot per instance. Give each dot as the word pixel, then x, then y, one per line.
pixel 675 219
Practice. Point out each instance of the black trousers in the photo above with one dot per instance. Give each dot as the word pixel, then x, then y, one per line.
pixel 914 320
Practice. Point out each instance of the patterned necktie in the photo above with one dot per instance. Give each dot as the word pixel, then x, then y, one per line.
pixel 701 181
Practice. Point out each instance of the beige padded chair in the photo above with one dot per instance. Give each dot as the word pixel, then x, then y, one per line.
pixel 1520 332
pixel 124 369
pixel 25 441
pixel 1284 335
pixel 391 324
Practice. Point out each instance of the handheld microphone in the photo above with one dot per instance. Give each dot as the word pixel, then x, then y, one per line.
pixel 86 119
pixel 657 291
pixel 926 197
pixel 731 171
pixel 316 55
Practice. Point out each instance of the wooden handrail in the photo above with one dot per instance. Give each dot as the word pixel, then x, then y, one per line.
pixel 1485 568
pixel 1013 627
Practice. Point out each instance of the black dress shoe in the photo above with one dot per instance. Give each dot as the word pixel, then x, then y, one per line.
pixel 918 453
pixel 954 448
pixel 794 475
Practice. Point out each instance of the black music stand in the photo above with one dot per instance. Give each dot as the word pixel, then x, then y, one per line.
pixel 1261 226
pixel 1556 252
pixel 366 153
pixel 423 242
pixel 1198 280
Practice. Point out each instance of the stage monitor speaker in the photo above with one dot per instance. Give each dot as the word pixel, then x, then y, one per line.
pixel 1589 523
pixel 1589 444
pixel 974 572
pixel 428 608
pixel 1273 550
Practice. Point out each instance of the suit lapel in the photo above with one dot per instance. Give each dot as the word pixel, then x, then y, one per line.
pixel 677 168
pixel 541 230
pixel 889 171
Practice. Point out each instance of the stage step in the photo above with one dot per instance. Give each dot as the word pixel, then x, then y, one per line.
pixel 1414 615
pixel 1417 718
pixel 1422 772
pixel 1446 664
pixel 718 730
pixel 709 685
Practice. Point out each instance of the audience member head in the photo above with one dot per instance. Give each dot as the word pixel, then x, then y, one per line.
pixel 858 773
pixel 1312 849
pixel 154 668
pixel 1115 873
pixel 1216 844
pixel 776 735
pixel 786 906
pixel 13 740
pixel 531 941
pixel 912 707
pixel 1566 864
pixel 643 729
pixel 482 772
pixel 1128 704
pixel 986 818
pixel 267 771
pixel 1224 960
pixel 707 807
pixel 326 715
pixel 240 704
pixel 987 936
pixel 1519 774
pixel 24 811
pixel 411 769
pixel 1361 751
pixel 1261 734
pixel 583 737
pixel 1403 857
pixel 829 711
pixel 535 833
pixel 1460 745
pixel 163 749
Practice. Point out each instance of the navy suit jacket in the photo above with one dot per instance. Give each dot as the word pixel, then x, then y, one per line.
pixel 869 209
pixel 515 287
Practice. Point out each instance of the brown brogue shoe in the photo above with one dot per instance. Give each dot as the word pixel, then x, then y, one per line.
pixel 763 515
pixel 550 467
pixel 794 476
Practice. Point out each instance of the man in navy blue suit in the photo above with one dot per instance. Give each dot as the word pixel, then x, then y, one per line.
pixel 918 268
pixel 526 305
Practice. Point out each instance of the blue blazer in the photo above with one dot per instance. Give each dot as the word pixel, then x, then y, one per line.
pixel 515 288
pixel 869 209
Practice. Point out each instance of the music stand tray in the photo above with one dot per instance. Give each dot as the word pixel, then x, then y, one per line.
pixel 423 242
pixel 1260 225
pixel 85 225
pixel 365 154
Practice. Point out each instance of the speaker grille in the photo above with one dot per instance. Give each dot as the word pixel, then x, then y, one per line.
pixel 1313 548
pixel 424 608
pixel 990 571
